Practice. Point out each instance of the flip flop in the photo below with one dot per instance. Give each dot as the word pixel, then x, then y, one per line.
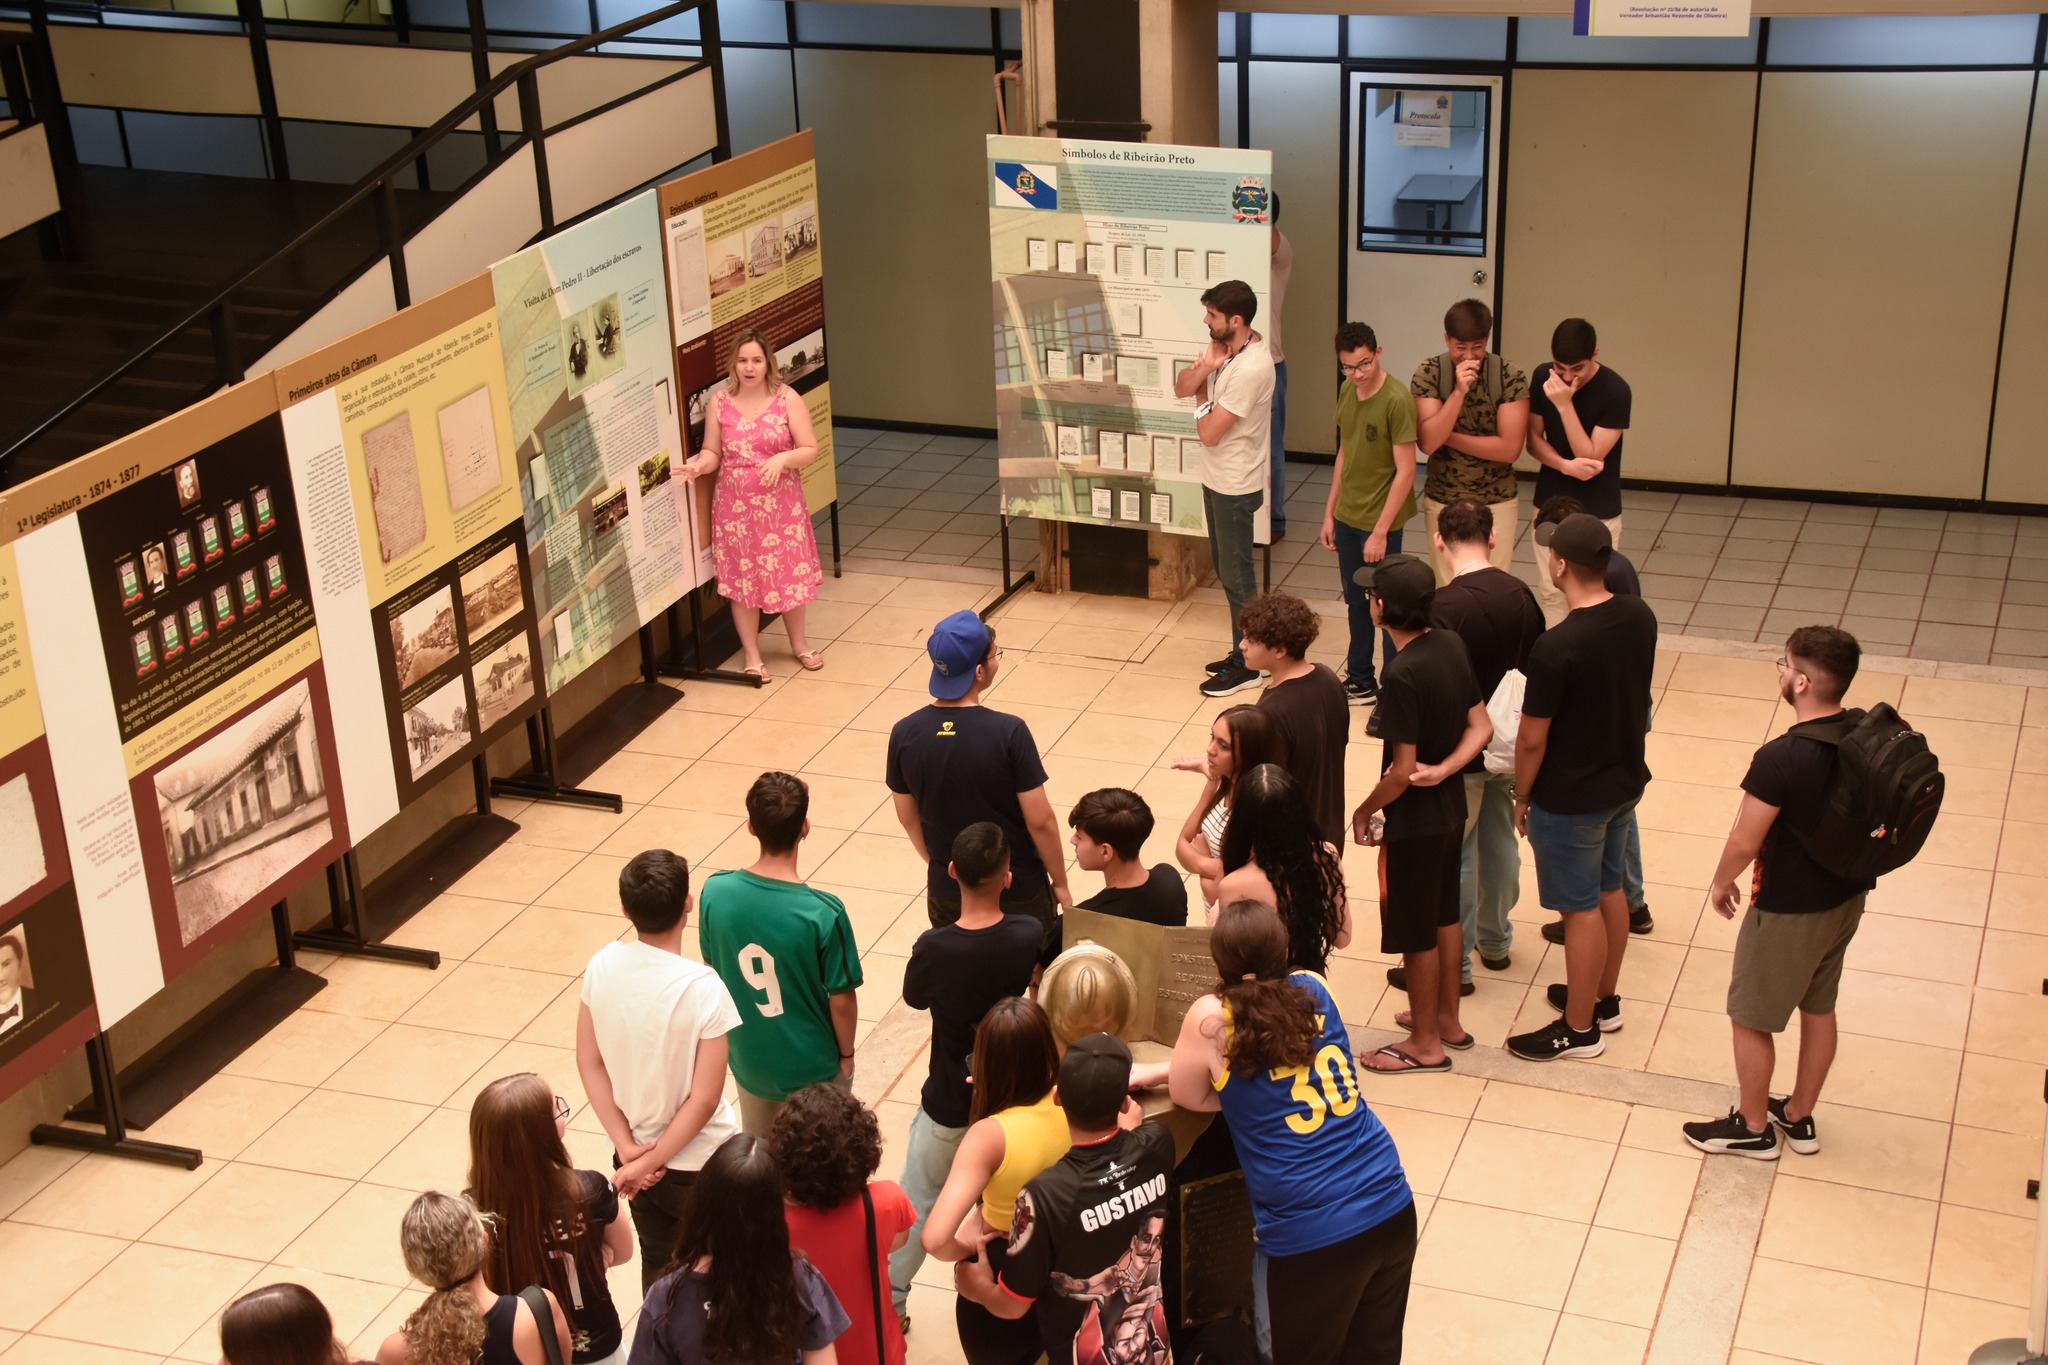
pixel 1460 1044
pixel 812 660
pixel 1406 1019
pixel 1408 1065
pixel 759 671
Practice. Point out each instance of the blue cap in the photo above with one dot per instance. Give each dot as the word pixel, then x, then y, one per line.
pixel 956 645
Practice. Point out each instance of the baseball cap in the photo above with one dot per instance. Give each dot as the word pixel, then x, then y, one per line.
pixel 957 644
pixel 1403 582
pixel 1580 538
pixel 1095 1075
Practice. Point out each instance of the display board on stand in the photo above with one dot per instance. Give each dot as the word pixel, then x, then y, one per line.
pixel 1099 254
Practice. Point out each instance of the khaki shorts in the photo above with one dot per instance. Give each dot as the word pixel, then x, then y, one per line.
pixel 1788 962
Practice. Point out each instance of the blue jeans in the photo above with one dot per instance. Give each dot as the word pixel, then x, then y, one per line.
pixel 1230 548
pixel 1350 559
pixel 1490 881
pixel 1632 864
pixel 1278 448
pixel 927 1160
pixel 1580 855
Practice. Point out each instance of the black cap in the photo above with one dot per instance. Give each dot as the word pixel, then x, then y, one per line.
pixel 1580 538
pixel 1095 1075
pixel 1403 582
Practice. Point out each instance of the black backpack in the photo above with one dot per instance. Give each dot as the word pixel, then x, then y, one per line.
pixel 1886 793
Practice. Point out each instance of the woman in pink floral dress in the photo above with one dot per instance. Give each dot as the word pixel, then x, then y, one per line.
pixel 757 437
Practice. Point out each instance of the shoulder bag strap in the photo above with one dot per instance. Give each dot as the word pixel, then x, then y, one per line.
pixel 867 1204
pixel 536 1299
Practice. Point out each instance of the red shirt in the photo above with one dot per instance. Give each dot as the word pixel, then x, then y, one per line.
pixel 832 1241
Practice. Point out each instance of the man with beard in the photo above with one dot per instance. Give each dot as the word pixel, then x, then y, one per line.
pixel 1234 378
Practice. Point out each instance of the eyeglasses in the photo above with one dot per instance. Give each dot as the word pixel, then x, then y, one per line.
pixel 1785 663
pixel 1362 367
pixel 562 1109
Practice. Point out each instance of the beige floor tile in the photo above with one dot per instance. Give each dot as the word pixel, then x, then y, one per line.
pixel 934 1340
pixel 1899 1078
pixel 2000 1094
pixel 1446 1327
pixel 592 887
pixel 494 1001
pixel 1903 1009
pixel 556 1065
pixel 1116 739
pixel 882 985
pixel 252 1212
pixel 1657 1130
pixel 330 1133
pixel 2031 755
pixel 1970 743
pixel 1648 1193
pixel 1589 1341
pixel 682 734
pixel 1442 1093
pixel 1536 1172
pixel 1725 676
pixel 513 871
pixel 558 1021
pixel 1931 891
pixel 690 833
pixel 113 1196
pixel 1990 1170
pixel 1697 1043
pixel 1987 1255
pixel 1828 1317
pixel 1030 682
pixel 1620 1277
pixel 1706 762
pixel 777 744
pixel 2013 961
pixel 1427 1143
pixel 878 862
pixel 1702 983
pixel 2003 1024
pixel 1818 1223
pixel 1553 1111
pixel 44 1267
pixel 1917 948
pixel 2026 799
pixel 422 1065
pixel 709 786
pixel 546 938
pixel 1953 1326
pixel 1686 807
pixel 1952 698
pixel 150 1298
pixel 2019 903
pixel 635 777
pixel 1681 859
pixel 225 1115
pixel 369 989
pixel 842 803
pixel 432 1156
pixel 39 1350
pixel 1515 1256
pixel 2028 857
pixel 356 1237
pixel 1978 791
pixel 455 926
pixel 304 1048
pixel 388 1319
pixel 1960 840
pixel 810 701
pixel 742 849
pixel 1715 716
pixel 577 828
pixel 29 1170
pixel 1896 1153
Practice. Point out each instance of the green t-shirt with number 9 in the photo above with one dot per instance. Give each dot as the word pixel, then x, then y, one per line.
pixel 782 948
pixel 1370 429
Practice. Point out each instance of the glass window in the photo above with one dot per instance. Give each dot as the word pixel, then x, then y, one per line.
pixel 1965 40
pixel 1226 104
pixel 610 12
pixel 1294 35
pixel 1552 40
pixel 1013 30
pixel 1226 34
pixel 1374 36
pixel 1422 161
pixel 832 21
pixel 753 21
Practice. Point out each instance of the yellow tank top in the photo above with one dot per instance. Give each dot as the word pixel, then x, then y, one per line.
pixel 1034 1136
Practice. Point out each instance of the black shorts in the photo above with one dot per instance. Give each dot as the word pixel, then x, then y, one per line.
pixel 1422 890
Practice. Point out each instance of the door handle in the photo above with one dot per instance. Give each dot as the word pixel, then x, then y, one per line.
pixel 1479 277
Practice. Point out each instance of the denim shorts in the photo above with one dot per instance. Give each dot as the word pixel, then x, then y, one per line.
pixel 1579 856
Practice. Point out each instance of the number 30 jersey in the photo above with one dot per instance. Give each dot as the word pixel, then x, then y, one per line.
pixel 1318 1164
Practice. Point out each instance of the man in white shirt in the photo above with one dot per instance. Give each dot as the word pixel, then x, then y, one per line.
pixel 15 1004
pixel 1234 376
pixel 651 1049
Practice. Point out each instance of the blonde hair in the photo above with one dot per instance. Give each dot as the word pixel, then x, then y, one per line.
pixel 444 1241
pixel 732 361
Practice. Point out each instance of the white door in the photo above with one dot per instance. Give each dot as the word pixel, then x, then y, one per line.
pixel 1422 205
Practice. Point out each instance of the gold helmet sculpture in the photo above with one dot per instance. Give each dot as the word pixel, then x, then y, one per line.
pixel 1088 989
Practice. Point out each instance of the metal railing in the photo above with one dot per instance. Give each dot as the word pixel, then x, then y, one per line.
pixel 217 311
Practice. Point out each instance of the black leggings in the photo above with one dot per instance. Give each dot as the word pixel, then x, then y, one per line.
pixel 986 1339
pixel 1344 1304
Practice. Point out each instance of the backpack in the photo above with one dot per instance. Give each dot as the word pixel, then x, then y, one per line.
pixel 1886 793
pixel 1504 709
pixel 1488 385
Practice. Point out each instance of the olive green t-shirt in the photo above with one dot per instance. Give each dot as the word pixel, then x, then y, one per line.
pixel 1370 429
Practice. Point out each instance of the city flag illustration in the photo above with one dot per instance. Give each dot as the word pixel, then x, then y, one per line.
pixel 1020 186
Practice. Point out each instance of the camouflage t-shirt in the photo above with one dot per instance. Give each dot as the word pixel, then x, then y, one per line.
pixel 1452 473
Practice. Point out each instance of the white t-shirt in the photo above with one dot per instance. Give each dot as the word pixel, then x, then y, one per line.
pixel 650 1009
pixel 1237 463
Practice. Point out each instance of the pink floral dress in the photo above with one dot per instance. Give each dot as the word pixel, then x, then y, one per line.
pixel 762 542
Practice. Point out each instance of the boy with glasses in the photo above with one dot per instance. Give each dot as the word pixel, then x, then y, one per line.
pixel 1372 490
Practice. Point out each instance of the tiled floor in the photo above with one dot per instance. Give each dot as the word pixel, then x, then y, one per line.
pixel 1566 1220
pixel 1956 586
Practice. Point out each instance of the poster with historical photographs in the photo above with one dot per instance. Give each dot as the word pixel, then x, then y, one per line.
pixel 743 252
pixel 400 631
pixel 189 730
pixel 589 372
pixel 46 1004
pixel 1099 255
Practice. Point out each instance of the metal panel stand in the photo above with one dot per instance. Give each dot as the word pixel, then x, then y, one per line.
pixel 833 512
pixel 112 1139
pixel 679 664
pixel 344 932
pixel 542 781
pixel 1010 589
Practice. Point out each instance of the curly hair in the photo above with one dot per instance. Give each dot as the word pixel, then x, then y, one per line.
pixel 1272 1020
pixel 1270 826
pixel 826 1143
pixel 1282 621
pixel 444 1242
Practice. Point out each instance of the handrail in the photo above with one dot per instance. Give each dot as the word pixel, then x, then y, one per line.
pixel 521 74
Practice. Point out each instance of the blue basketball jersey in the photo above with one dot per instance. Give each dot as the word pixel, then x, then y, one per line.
pixel 1318 1164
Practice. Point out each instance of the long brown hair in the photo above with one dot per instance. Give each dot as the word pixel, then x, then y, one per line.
pixel 1270 826
pixel 735 1219
pixel 1016 1058
pixel 520 1174
pixel 1272 1020
pixel 1254 739
pixel 279 1324
pixel 444 1242
pixel 771 381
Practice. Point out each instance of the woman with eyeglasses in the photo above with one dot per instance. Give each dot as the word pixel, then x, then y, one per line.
pixel 556 1226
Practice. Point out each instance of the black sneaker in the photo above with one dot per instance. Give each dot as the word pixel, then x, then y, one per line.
pixel 1606 1012
pixel 1225 664
pixel 1639 922
pixel 1360 693
pixel 1232 680
pixel 1397 977
pixel 1372 724
pixel 1558 1039
pixel 1496 964
pixel 1801 1137
pixel 1731 1137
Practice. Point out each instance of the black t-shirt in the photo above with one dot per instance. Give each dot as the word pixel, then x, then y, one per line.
pixel 594 1331
pixel 1496 616
pixel 967 764
pixel 1314 719
pixel 1621 575
pixel 957 974
pixel 1794 774
pixel 1590 675
pixel 1088 1245
pixel 1602 401
pixel 1425 695
pixel 1163 899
